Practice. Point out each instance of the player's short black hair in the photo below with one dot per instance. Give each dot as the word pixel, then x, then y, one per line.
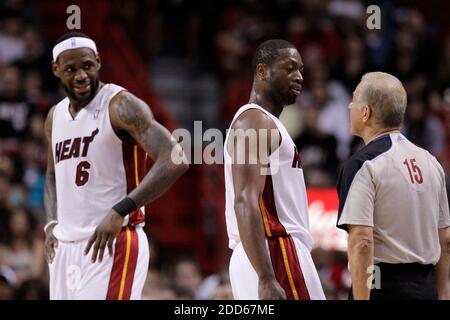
pixel 268 51
pixel 71 34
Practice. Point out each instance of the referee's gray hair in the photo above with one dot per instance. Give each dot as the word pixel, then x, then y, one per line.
pixel 386 96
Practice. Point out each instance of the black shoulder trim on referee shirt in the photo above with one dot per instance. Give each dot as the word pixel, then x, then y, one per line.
pixel 354 164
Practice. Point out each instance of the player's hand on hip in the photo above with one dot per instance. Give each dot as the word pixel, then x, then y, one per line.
pixel 51 243
pixel 104 235
pixel 270 289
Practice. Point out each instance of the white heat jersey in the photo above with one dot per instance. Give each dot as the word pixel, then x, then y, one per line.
pixel 94 168
pixel 284 205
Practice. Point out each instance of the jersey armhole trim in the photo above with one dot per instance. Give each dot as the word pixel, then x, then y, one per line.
pixel 260 109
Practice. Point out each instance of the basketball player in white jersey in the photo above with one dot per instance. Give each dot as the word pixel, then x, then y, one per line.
pixel 95 184
pixel 267 214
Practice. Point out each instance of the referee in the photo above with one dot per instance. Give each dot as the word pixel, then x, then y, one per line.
pixel 392 202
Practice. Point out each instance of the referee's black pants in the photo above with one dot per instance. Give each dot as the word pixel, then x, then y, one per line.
pixel 409 281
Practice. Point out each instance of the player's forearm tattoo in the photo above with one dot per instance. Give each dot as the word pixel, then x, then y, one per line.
pixel 133 113
pixel 133 117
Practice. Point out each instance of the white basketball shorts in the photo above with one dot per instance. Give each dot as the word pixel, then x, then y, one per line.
pixel 293 266
pixel 121 277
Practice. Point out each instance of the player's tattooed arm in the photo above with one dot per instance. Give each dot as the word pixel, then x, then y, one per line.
pixel 129 113
pixel 50 192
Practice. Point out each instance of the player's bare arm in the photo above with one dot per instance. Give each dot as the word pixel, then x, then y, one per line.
pixel 134 116
pixel 50 194
pixel 249 185
pixel 131 114
pixel 360 255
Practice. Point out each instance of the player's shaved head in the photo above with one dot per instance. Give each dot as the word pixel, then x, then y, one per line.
pixel 268 51
pixel 386 97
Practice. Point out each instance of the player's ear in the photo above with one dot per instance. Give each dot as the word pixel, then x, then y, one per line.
pixel 99 62
pixel 261 71
pixel 55 69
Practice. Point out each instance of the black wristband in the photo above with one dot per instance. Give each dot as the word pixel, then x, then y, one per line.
pixel 125 206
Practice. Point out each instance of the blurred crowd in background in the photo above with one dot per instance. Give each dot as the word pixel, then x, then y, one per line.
pixel 198 55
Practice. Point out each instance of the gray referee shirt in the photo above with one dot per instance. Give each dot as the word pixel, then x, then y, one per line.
pixel 398 189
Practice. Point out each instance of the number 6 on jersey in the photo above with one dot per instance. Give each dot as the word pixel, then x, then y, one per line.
pixel 82 175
